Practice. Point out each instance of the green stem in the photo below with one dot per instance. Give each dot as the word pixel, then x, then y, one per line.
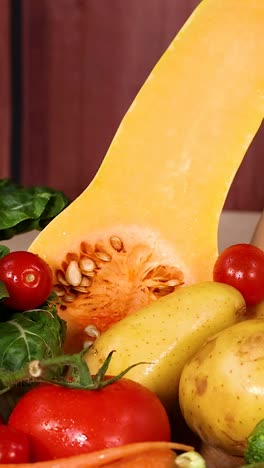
pixel 67 370
pixel 10 378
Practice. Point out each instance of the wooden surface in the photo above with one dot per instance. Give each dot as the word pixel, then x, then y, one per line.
pixel 4 88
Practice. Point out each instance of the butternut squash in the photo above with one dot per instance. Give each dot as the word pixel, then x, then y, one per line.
pixel 148 222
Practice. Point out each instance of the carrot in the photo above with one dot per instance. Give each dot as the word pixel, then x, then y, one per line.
pixel 143 454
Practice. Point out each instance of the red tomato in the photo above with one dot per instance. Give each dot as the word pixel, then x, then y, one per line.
pixel 28 280
pixel 14 446
pixel 242 266
pixel 62 422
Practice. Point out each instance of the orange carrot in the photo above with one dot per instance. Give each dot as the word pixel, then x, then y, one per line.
pixel 143 454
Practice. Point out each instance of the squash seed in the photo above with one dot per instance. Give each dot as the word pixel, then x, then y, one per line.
pixel 73 274
pixel 69 297
pixel 87 264
pixel 89 274
pixel 174 282
pixel 152 283
pixel 116 243
pixel 84 285
pixel 87 344
pixel 86 248
pixel 104 256
pixel 71 256
pixel 61 278
pixel 59 290
pixel 85 282
pixel 81 289
pixel 92 331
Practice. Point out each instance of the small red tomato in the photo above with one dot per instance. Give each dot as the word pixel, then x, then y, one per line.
pixel 62 422
pixel 28 280
pixel 14 446
pixel 242 266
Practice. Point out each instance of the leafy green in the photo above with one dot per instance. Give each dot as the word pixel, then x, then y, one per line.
pixel 24 209
pixel 28 336
pixel 255 444
pixel 3 291
pixel 4 251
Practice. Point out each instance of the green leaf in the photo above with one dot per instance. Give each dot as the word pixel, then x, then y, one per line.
pixel 27 336
pixel 4 251
pixel 24 209
pixel 3 291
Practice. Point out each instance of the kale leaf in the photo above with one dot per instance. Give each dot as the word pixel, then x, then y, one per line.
pixel 24 209
pixel 36 334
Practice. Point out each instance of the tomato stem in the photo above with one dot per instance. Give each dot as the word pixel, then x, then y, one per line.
pixel 67 370
pixel 75 372
pixel 10 378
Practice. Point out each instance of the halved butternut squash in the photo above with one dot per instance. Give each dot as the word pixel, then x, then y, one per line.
pixel 148 222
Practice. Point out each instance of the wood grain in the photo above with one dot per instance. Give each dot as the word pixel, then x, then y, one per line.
pixel 4 89
pixel 84 61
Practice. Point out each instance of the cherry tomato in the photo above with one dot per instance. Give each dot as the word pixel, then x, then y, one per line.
pixel 242 266
pixel 14 446
pixel 62 422
pixel 28 280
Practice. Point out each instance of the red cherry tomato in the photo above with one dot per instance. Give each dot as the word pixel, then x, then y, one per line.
pixel 62 422
pixel 242 266
pixel 28 280
pixel 14 446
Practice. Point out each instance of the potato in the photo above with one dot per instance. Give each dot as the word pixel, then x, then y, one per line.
pixel 165 334
pixel 221 390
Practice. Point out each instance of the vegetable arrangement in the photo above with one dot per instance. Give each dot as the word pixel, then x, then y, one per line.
pixel 132 265
pixel 167 333
pixel 66 411
pixel 74 412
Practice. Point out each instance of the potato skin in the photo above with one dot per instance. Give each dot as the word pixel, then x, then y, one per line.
pixel 165 334
pixel 221 390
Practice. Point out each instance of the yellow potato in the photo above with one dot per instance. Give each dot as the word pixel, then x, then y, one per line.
pixel 221 391
pixel 165 334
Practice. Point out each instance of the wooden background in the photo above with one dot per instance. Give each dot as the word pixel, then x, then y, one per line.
pixel 82 62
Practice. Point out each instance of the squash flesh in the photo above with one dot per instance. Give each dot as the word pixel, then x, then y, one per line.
pixel 166 174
